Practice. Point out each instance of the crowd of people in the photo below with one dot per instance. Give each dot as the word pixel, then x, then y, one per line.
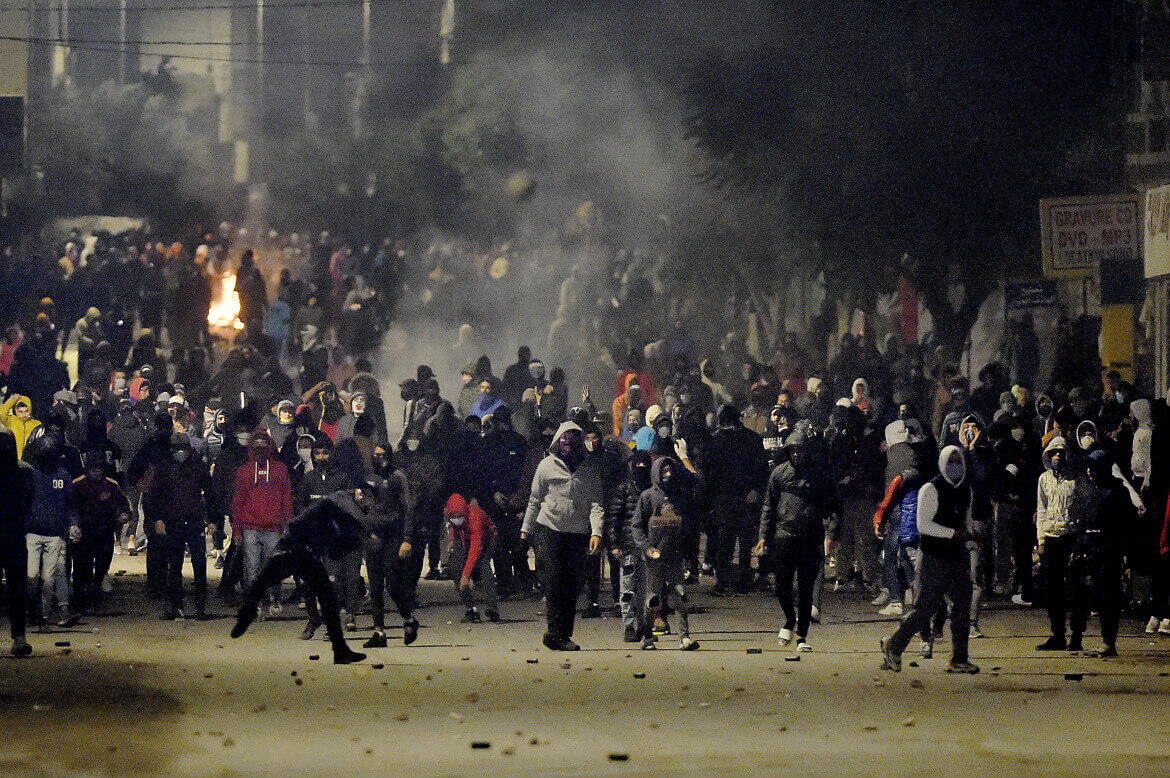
pixel 683 451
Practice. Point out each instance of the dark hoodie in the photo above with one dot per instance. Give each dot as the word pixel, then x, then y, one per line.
pixel 97 440
pixel 737 462
pixel 800 498
pixel 329 527
pixel 623 502
pixel 664 513
pixel 18 485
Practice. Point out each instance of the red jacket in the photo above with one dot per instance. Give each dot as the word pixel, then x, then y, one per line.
pixel 263 495
pixel 474 532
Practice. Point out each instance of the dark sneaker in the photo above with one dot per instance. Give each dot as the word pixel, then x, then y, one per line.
pixel 309 630
pixel 1076 645
pixel 377 640
pixel 648 645
pixel 410 631
pixel 591 611
pixel 347 657
pixel 1053 644
pixel 493 615
pixel 890 660
pixel 631 635
pixel 962 667
pixel 20 647
pixel 569 645
pixel 470 617
pixel 433 575
pixel 551 643
pixel 661 627
pixel 1105 652
pixel 244 619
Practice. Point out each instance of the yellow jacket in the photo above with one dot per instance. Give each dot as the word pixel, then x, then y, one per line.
pixel 21 428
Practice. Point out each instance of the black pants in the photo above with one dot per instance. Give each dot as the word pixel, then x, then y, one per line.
pixel 940 578
pixel 156 563
pixel 14 561
pixel 1096 580
pixel 1024 540
pixel 387 571
pixel 429 525
pixel 180 537
pixel 511 562
pixel 300 563
pixel 92 556
pixel 563 556
pixel 799 559
pixel 734 526
pixel 1057 552
pixel 233 568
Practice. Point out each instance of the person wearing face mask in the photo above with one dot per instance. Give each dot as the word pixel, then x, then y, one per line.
pixel 1042 419
pixel 425 477
pixel 489 399
pixel 214 426
pixel 314 357
pixel 468 391
pixel 798 505
pixel 233 453
pixel 101 508
pixel 644 437
pixel 1054 537
pixel 504 451
pixel 941 516
pixel 304 461
pixel 181 492
pixel 517 377
pixel 51 522
pixel 629 399
pixel 620 511
pixel 566 511
pixel 658 531
pixel 320 481
pixel 1012 508
pixel 262 507
pixel 389 530
pixel 735 479
pixel 1089 441
pixel 473 544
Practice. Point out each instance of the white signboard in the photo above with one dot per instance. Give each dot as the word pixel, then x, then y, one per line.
pixel 1076 233
pixel 1157 232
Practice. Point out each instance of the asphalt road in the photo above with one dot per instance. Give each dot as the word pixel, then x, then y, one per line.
pixel 131 694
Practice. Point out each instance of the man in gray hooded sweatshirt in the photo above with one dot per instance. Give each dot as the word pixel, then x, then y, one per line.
pixel 565 514
pixel 945 571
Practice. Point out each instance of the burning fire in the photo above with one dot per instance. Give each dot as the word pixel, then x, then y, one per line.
pixel 226 311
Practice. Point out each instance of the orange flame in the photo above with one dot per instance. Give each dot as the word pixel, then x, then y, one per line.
pixel 225 312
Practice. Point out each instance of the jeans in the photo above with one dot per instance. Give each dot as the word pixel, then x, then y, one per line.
pixel 46 567
pixel 633 590
pixel 483 566
pixel 259 547
pixel 664 582
pixel 562 566
pixel 800 559
pixel 892 578
pixel 940 577
pixel 387 571
pixel 975 558
pixel 180 537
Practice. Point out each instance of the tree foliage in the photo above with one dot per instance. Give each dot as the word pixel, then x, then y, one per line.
pixel 908 128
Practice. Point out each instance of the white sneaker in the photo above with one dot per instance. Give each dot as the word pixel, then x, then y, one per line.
pixel 893 609
pixel 1164 627
pixel 803 647
pixel 785 637
pixel 1152 625
pixel 882 598
pixel 926 650
pixel 1018 599
pixel 976 633
pixel 816 614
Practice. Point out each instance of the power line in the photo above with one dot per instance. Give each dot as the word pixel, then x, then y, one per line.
pixel 207 7
pixel 116 48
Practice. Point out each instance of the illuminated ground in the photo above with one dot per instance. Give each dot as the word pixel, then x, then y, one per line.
pixel 138 695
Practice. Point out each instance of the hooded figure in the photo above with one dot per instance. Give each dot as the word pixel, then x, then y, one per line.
pixel 18 485
pixel 736 475
pixel 1090 443
pixel 941 515
pixel 489 399
pixel 861 398
pixel 262 503
pixel 280 423
pixel 658 531
pixel 566 506
pixel 623 502
pixel 16 414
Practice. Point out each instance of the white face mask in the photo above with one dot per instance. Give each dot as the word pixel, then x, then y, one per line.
pixel 242 438
pixel 456 519
pixel 1119 395
pixel 305 454
pixel 181 455
pixel 1017 435
pixel 119 383
pixel 412 445
pixel 1087 441
pixel 590 444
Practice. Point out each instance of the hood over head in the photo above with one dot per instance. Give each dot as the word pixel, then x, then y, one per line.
pixel 897 432
pixel 656 471
pixel 952 465
pixel 652 414
pixel 1141 411
pixel 729 416
pixel 1056 444
pixel 260 445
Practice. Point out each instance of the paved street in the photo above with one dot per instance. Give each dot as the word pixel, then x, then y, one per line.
pixel 137 695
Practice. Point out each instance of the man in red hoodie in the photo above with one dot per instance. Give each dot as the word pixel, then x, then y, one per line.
pixel 473 545
pixel 262 507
